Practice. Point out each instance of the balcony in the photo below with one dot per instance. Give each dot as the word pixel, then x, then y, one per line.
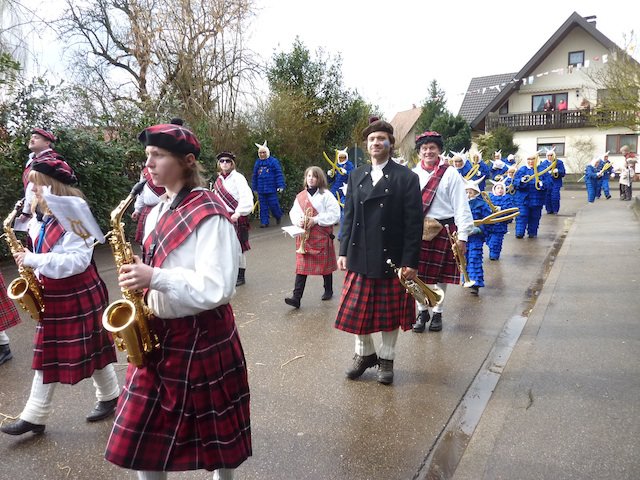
pixel 519 122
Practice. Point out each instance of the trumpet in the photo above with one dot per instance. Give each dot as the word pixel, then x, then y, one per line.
pixel 461 261
pixel 419 290
pixel 306 224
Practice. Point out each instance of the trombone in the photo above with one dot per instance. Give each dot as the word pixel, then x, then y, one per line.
pixel 461 261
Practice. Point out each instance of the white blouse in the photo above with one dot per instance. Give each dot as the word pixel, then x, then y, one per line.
pixel 237 186
pixel 325 204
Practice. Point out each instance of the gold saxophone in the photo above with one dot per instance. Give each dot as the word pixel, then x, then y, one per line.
pixel 306 224
pixel 419 290
pixel 26 289
pixel 128 318
pixel 461 261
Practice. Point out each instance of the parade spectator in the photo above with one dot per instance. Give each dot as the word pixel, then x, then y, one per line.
pixel 382 220
pixel 562 105
pixel 315 210
pixel 626 180
pixel 267 181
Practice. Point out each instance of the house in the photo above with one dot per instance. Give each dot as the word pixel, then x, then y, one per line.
pixel 561 71
pixel 404 129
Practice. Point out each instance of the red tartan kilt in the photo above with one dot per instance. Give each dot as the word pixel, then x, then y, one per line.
pixel 188 408
pixel 141 221
pixel 320 258
pixel 9 316
pixel 370 305
pixel 242 229
pixel 437 264
pixel 70 342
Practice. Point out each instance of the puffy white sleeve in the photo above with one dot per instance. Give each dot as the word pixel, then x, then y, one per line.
pixel 329 213
pixel 245 195
pixel 70 256
pixel 296 214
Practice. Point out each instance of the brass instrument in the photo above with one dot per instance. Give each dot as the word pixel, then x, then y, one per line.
pixel 127 319
pixel 461 261
pixel 497 215
pixel 306 224
pixel 419 290
pixel 26 289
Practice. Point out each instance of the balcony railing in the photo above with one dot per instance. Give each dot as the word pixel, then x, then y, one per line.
pixel 553 120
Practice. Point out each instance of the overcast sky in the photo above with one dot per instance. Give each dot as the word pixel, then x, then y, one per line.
pixel 391 50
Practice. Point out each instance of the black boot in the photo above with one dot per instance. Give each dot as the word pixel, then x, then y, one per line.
pixel 360 364
pixel 298 290
pixel 385 371
pixel 5 353
pixel 421 321
pixel 102 410
pixel 240 280
pixel 328 287
pixel 436 323
pixel 20 427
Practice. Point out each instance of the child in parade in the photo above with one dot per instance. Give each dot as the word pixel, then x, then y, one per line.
pixel 316 210
pixel 498 166
pixel 552 202
pixel 495 237
pixel 338 180
pixel 591 180
pixel 9 317
pixel 235 194
pixel 267 181
pixel 187 407
pixel 475 243
pixel 148 198
pixel 70 343
pixel 605 171
pixel 530 194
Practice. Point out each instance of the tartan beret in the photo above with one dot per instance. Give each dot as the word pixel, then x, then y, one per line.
pixel 172 137
pixel 427 137
pixel 377 125
pixel 44 133
pixel 55 168
pixel 226 154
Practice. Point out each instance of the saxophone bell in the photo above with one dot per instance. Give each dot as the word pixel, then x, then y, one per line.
pixel 119 318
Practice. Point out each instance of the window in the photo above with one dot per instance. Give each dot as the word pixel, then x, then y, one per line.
pixel 614 142
pixel 559 148
pixel 576 58
pixel 504 109
pixel 538 101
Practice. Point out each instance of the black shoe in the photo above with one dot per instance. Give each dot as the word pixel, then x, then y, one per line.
pixel 293 301
pixel 385 371
pixel 20 427
pixel 421 321
pixel 493 259
pixel 360 364
pixel 327 295
pixel 5 353
pixel 608 197
pixel 519 236
pixel 436 322
pixel 264 225
pixel 102 410
pixel 474 290
pixel 240 280
pixel 278 220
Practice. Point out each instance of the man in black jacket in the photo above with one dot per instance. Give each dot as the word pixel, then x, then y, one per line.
pixel 382 221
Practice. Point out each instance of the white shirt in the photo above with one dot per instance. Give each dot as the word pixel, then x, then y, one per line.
pixel 28 191
pixel 450 200
pixel 200 274
pixel 325 204
pixel 376 172
pixel 237 186
pixel 147 198
pixel 71 255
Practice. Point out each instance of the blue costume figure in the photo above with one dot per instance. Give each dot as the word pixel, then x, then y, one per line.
pixel 501 199
pixel 605 170
pixel 483 170
pixel 530 196
pixel 475 243
pixel 552 202
pixel 591 181
pixel 499 166
pixel 338 178
pixel 267 181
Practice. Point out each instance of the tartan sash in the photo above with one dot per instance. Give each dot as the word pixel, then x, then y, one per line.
pixel 429 190
pixel 224 194
pixel 52 233
pixel 304 200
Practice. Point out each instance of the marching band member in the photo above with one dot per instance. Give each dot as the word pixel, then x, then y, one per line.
pixel 604 174
pixel 9 317
pixel 475 242
pixel 591 180
pixel 338 180
pixel 483 172
pixel 70 343
pixel 315 210
pixel 552 201
pixel 235 194
pixel 187 408
pixel 503 201
pixel 444 201
pixel 498 165
pixel 530 196
pixel 267 181
pixel 148 198
pixel 382 220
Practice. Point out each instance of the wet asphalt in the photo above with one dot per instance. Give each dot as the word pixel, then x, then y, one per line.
pixel 565 403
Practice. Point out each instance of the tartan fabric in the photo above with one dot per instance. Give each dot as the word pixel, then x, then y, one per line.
pixel 172 137
pixel 242 229
pixel 242 226
pixel 429 190
pixel 142 218
pixel 437 263
pixel 70 342
pixel 176 225
pixel 9 316
pixel 52 233
pixel 320 258
pixel 154 188
pixel 224 194
pixel 25 176
pixel 370 305
pixel 188 408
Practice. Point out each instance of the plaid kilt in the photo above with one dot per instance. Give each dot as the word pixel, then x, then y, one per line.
pixel 242 229
pixel 188 407
pixel 370 305
pixel 9 316
pixel 320 258
pixel 70 342
pixel 437 263
pixel 141 221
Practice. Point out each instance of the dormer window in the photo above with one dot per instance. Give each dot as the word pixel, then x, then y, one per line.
pixel 576 58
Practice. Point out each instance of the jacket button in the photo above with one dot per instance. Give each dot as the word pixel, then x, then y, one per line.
pixel 386 190
pixel 357 224
pixel 384 250
pixel 381 205
pixel 361 202
pixel 354 243
pixel 383 229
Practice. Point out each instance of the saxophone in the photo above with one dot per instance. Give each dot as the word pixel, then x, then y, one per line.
pixel 26 289
pixel 127 319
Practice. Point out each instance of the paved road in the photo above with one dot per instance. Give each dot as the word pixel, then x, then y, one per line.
pixel 308 421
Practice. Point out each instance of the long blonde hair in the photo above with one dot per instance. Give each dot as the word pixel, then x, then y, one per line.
pixel 57 188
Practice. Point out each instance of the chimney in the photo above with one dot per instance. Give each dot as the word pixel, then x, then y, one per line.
pixel 591 19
